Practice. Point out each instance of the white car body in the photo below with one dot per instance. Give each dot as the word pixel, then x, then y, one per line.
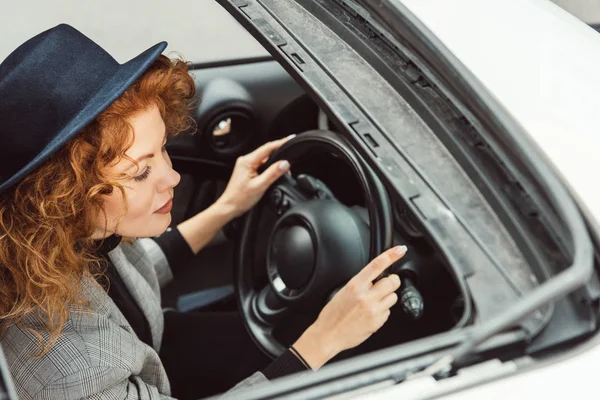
pixel 543 65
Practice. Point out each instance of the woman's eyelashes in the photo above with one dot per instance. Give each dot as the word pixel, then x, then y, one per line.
pixel 143 175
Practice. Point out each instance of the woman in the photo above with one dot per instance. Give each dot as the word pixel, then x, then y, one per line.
pixel 82 164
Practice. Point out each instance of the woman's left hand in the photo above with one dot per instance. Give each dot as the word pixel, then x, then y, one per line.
pixel 246 186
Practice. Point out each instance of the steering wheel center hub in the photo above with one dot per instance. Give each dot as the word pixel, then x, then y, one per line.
pixel 314 247
pixel 293 254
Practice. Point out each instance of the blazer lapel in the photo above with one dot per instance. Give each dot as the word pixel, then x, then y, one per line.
pixel 141 292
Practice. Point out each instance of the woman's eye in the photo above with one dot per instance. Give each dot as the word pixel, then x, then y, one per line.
pixel 143 175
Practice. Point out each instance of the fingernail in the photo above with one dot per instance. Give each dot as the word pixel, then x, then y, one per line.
pixel 401 249
pixel 291 136
pixel 284 165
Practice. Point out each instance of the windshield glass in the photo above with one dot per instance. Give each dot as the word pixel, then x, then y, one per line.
pixel 199 30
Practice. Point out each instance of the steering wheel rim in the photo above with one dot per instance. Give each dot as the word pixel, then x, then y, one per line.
pixel 380 227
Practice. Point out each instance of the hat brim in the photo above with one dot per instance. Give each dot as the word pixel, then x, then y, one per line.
pixel 124 76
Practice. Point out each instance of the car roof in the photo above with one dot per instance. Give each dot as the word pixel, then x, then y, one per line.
pixel 541 64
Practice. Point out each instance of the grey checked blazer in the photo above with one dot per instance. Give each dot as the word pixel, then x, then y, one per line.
pixel 98 355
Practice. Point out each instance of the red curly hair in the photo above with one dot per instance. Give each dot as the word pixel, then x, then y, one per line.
pixel 46 221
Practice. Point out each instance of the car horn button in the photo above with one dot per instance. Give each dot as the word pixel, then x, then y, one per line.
pixel 292 255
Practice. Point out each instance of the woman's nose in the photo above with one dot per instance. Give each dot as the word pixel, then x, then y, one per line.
pixel 170 178
pixel 175 178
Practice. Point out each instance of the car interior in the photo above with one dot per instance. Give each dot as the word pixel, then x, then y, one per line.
pixel 241 106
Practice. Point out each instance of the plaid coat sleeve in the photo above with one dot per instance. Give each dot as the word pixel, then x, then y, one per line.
pixel 74 387
pixel 98 355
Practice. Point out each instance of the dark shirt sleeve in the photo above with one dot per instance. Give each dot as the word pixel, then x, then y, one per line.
pixel 286 364
pixel 178 252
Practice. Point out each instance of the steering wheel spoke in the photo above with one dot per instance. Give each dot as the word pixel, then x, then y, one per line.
pixel 284 195
pixel 269 308
pixel 289 191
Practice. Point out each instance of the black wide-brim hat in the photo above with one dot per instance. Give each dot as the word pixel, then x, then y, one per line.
pixel 51 87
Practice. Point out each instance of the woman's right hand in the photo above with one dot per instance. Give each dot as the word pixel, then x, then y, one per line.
pixel 357 311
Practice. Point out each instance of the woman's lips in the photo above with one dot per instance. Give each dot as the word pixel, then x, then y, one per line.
pixel 166 208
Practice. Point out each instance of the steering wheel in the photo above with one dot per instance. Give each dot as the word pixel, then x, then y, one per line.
pixel 316 245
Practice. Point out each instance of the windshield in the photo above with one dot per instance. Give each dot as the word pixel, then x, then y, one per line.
pixel 201 31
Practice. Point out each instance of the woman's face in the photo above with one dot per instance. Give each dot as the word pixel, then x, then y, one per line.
pixel 148 189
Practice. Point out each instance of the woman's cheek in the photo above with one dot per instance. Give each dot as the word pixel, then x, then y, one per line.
pixel 140 202
pixel 114 205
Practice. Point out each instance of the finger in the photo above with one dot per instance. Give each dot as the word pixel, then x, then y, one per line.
pixel 385 286
pixel 265 150
pixel 389 301
pixel 380 263
pixel 385 317
pixel 271 174
pixel 382 319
